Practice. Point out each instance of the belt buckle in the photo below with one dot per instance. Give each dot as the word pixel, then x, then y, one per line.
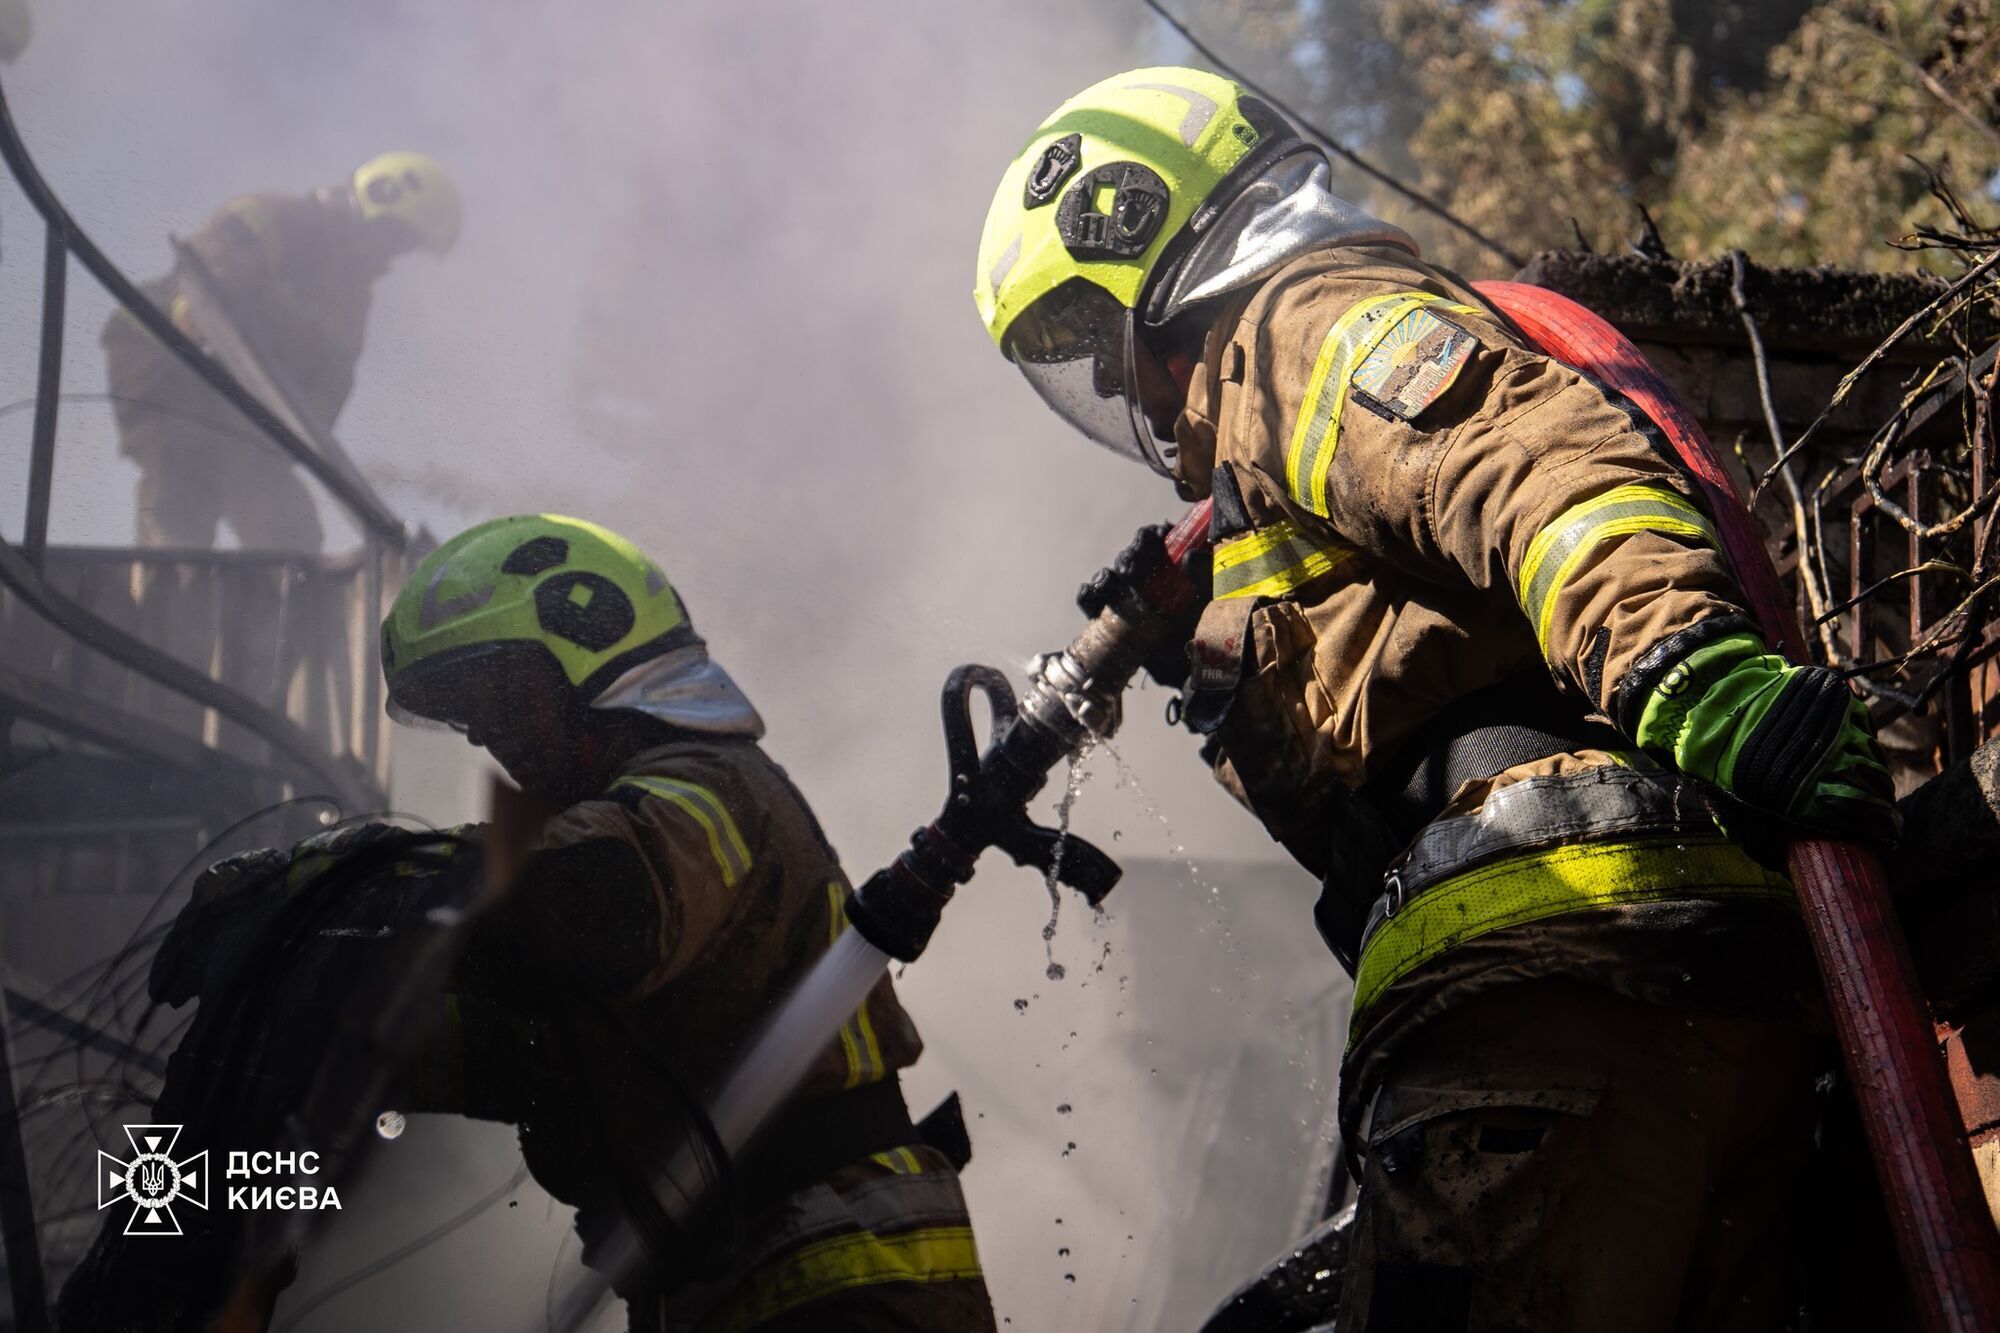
pixel 1392 894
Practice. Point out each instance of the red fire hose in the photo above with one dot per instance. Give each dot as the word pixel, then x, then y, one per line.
pixel 1943 1227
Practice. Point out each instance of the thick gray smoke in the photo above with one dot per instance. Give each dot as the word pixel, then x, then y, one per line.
pixel 713 291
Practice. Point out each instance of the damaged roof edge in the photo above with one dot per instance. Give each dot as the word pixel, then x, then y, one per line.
pixel 1825 308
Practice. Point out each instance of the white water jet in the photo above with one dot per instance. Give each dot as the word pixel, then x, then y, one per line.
pixel 1072 786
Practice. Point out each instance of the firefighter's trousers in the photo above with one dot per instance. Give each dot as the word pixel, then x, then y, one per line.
pixel 1550 1157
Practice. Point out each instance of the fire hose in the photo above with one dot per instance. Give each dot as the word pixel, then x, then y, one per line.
pixel 1943 1228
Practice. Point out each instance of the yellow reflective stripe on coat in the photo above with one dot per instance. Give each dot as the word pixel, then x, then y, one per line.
pixel 898 1161
pixel 1550 882
pixel 705 808
pixel 1558 548
pixel 842 1263
pixel 1353 336
pixel 857 1034
pixel 1275 561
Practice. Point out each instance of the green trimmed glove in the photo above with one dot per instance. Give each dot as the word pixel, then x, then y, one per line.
pixel 1792 741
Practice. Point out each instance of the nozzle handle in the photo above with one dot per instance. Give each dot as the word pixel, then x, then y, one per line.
pixel 1063 857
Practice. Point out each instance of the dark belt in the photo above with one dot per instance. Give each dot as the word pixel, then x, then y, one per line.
pixel 804 1144
pixel 1517 721
pixel 810 1140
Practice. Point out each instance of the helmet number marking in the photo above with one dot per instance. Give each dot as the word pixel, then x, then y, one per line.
pixel 1113 212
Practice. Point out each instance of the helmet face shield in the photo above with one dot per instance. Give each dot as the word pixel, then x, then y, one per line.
pixel 1080 350
pixel 438 694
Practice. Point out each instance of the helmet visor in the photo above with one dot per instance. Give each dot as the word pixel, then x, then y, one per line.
pixel 1079 348
pixel 437 694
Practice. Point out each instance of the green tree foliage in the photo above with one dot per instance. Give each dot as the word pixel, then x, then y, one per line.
pixel 1792 130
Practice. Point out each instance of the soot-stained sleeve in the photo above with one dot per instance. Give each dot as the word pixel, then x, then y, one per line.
pixel 1434 441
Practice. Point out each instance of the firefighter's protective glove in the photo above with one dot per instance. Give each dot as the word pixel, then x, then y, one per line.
pixel 1791 741
pixel 1140 569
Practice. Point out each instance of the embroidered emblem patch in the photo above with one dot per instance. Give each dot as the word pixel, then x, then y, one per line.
pixel 1412 366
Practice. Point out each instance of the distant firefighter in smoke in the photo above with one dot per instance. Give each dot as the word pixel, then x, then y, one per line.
pixel 289 278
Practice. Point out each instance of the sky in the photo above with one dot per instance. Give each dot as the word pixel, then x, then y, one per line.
pixel 714 291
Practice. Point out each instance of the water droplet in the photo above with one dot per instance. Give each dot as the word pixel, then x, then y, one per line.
pixel 390 1124
pixel 1056 972
pixel 1063 1253
pixel 1072 786
pixel 1020 1006
pixel 1069 1277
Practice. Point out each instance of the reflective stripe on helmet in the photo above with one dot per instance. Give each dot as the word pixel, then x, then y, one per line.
pixel 1358 331
pixel 1560 547
pixel 1547 883
pixel 732 855
pixel 1275 561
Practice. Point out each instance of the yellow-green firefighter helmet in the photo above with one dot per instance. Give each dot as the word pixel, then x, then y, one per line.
pixel 414 189
pixel 1104 196
pixel 536 583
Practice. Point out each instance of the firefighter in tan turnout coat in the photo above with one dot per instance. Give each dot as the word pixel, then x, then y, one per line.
pixel 294 274
pixel 687 885
pixel 1474 658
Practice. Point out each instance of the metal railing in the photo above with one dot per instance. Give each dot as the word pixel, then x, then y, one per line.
pixel 22 570
pixel 24 573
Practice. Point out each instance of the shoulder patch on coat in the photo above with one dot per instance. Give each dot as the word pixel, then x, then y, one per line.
pixel 1392 351
pixel 1416 361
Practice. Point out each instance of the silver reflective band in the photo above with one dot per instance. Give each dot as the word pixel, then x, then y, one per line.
pixel 1201 108
pixel 1005 265
pixel 685 688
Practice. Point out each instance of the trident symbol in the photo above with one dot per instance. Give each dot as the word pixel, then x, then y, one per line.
pixel 152 1181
